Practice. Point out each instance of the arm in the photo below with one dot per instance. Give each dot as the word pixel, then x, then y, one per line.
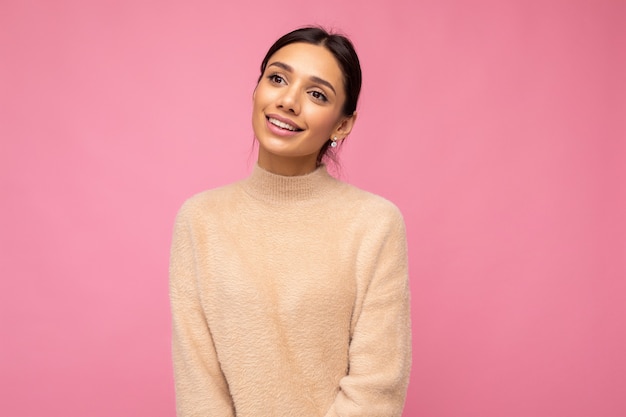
pixel 380 349
pixel 201 389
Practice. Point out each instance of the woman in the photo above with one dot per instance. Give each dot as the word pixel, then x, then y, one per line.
pixel 289 289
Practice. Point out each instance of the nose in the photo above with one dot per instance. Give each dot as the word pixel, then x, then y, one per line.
pixel 289 100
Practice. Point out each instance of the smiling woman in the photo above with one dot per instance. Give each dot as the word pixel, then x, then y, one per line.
pixel 289 289
pixel 298 106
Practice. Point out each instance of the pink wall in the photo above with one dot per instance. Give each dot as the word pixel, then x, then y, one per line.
pixel 499 129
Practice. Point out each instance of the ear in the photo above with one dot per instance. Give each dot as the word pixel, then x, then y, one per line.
pixel 345 126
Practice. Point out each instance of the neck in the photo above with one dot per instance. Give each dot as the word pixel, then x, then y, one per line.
pixel 287 166
pixel 276 188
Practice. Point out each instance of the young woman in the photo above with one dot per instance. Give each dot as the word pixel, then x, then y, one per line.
pixel 289 289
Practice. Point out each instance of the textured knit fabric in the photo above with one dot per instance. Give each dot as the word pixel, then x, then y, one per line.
pixel 290 298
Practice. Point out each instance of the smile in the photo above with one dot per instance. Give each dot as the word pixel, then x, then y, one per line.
pixel 283 125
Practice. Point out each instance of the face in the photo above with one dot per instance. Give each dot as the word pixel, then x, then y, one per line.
pixel 297 107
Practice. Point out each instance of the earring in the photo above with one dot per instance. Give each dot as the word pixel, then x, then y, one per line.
pixel 333 143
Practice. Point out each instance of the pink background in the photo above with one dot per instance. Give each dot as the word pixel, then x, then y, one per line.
pixel 498 128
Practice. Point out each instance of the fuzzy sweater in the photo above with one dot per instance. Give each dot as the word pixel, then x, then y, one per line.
pixel 290 297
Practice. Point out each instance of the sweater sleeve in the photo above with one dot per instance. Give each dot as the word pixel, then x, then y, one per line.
pixel 380 347
pixel 201 388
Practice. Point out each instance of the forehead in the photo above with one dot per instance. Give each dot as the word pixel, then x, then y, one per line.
pixel 310 61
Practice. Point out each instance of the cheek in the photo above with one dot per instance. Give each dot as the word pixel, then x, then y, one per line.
pixel 263 96
pixel 256 99
pixel 326 122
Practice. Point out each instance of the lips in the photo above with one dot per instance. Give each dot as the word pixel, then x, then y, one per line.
pixel 283 123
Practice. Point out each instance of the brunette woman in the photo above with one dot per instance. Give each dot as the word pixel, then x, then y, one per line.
pixel 289 289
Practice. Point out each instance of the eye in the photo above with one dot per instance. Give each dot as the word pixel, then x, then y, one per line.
pixel 318 95
pixel 276 79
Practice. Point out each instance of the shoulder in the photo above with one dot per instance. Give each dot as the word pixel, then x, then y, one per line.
pixel 370 209
pixel 368 202
pixel 208 201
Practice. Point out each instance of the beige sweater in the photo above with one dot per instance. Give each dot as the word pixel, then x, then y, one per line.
pixel 290 298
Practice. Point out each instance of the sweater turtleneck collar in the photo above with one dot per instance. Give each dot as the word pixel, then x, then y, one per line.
pixel 275 188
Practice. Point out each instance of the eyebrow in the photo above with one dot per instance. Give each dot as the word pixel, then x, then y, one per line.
pixel 312 77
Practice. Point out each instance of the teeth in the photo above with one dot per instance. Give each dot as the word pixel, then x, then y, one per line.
pixel 282 125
